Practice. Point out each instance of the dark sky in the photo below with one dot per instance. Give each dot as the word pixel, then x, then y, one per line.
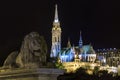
pixel 99 21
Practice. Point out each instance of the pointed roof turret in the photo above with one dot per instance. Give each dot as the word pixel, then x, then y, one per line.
pixel 73 48
pixel 80 41
pixel 68 44
pixel 56 22
pixel 56 14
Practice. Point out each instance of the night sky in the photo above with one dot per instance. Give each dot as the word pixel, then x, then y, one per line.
pixel 99 21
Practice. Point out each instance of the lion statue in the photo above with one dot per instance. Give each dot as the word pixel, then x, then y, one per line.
pixel 32 53
pixel 10 61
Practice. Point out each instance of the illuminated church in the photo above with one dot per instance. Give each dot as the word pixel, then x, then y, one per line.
pixel 84 53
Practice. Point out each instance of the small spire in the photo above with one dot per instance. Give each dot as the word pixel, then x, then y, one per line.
pixel 73 48
pixel 90 44
pixel 68 44
pixel 80 41
pixel 80 32
pixel 56 14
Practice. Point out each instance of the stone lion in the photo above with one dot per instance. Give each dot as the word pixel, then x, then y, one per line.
pixel 10 61
pixel 32 53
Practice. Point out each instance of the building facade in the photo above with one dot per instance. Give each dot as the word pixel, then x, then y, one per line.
pixel 80 53
pixel 84 53
pixel 110 56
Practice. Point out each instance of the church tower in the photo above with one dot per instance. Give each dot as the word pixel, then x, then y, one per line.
pixel 80 41
pixel 56 36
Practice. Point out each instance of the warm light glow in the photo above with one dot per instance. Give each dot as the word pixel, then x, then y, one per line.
pixel 73 66
pixel 56 20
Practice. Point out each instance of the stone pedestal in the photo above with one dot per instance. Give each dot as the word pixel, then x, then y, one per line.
pixel 30 74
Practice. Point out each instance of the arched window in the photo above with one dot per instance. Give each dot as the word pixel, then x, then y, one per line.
pixel 58 39
pixel 55 39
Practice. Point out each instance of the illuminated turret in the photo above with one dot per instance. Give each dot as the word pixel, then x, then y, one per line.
pixel 80 41
pixel 69 44
pixel 56 35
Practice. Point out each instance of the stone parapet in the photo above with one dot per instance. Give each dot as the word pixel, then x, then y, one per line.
pixel 30 74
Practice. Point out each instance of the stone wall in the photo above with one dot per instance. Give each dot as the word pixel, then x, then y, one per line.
pixel 30 74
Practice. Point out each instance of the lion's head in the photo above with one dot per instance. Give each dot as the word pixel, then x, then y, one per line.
pixel 33 50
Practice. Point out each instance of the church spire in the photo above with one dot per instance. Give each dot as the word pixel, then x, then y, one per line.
pixel 56 35
pixel 69 44
pixel 80 41
pixel 56 14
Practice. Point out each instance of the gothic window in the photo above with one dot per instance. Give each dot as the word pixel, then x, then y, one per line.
pixel 55 39
pixel 58 46
pixel 58 39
